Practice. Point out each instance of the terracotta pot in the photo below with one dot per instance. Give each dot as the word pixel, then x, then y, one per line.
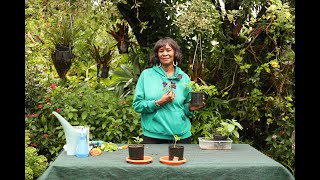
pixel 136 151
pixel 176 152
pixel 196 98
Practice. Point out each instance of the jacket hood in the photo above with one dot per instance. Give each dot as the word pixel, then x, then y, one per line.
pixel 177 72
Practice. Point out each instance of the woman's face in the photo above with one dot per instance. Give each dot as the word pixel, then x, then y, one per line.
pixel 166 55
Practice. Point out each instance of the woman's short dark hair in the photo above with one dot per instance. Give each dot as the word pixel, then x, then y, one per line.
pixel 154 59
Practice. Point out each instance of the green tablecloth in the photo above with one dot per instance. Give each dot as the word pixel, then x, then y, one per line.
pixel 241 162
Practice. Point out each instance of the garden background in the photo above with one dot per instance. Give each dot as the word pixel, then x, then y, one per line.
pixel 83 59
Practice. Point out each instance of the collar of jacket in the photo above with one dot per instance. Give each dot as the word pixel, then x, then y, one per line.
pixel 177 72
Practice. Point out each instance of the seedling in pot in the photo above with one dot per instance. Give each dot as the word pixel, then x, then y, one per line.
pixel 137 140
pixel 176 139
pixel 136 151
pixel 175 151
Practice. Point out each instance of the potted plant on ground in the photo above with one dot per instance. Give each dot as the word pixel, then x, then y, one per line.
pixel 176 151
pixel 136 151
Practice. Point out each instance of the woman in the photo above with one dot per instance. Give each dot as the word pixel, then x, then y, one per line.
pixel 162 96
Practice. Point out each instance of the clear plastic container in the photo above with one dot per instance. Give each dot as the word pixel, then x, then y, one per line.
pixel 207 143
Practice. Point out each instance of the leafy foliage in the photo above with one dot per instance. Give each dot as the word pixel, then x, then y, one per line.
pixel 207 89
pixel 62 33
pixel 137 140
pixel 246 50
pixel 110 119
pixel 228 128
pixel 35 164
pixel 251 62
pixel 126 78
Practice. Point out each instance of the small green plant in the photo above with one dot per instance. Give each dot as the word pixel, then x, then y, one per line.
pixel 63 32
pixel 109 147
pixel 229 128
pixel 210 127
pixel 195 86
pixel 207 89
pixel 176 139
pixel 137 140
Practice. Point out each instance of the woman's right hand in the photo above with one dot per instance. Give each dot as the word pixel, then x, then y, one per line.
pixel 166 98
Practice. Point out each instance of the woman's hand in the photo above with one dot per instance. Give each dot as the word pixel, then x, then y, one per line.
pixel 192 108
pixel 166 97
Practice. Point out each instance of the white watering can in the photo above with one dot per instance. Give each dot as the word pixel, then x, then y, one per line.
pixel 72 134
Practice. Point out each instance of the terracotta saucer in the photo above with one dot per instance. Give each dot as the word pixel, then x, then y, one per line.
pixel 165 160
pixel 146 160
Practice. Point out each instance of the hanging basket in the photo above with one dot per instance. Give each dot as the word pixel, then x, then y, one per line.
pixel 62 60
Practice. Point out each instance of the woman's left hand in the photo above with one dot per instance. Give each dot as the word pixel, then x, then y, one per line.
pixel 192 108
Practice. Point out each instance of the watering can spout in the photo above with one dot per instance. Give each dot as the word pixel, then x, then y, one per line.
pixel 65 124
pixel 70 132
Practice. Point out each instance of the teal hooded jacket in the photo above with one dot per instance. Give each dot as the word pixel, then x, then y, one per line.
pixel 170 119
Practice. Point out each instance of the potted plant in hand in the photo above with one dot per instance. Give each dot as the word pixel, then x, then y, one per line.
pixel 136 151
pixel 176 151
pixel 198 92
pixel 221 135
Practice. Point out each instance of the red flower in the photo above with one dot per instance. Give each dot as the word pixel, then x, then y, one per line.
pixel 53 86
pixel 34 144
pixel 45 135
pixel 58 110
pixel 282 132
pixel 124 102
pixel 40 106
pixel 34 115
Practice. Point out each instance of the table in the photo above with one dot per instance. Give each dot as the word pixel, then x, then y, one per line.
pixel 242 161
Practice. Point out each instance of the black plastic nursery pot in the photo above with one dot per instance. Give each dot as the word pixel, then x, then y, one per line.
pixel 176 152
pixel 218 137
pixel 196 98
pixel 136 151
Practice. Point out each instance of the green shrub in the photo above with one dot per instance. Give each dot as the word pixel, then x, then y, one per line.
pixel 110 118
pixel 35 164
